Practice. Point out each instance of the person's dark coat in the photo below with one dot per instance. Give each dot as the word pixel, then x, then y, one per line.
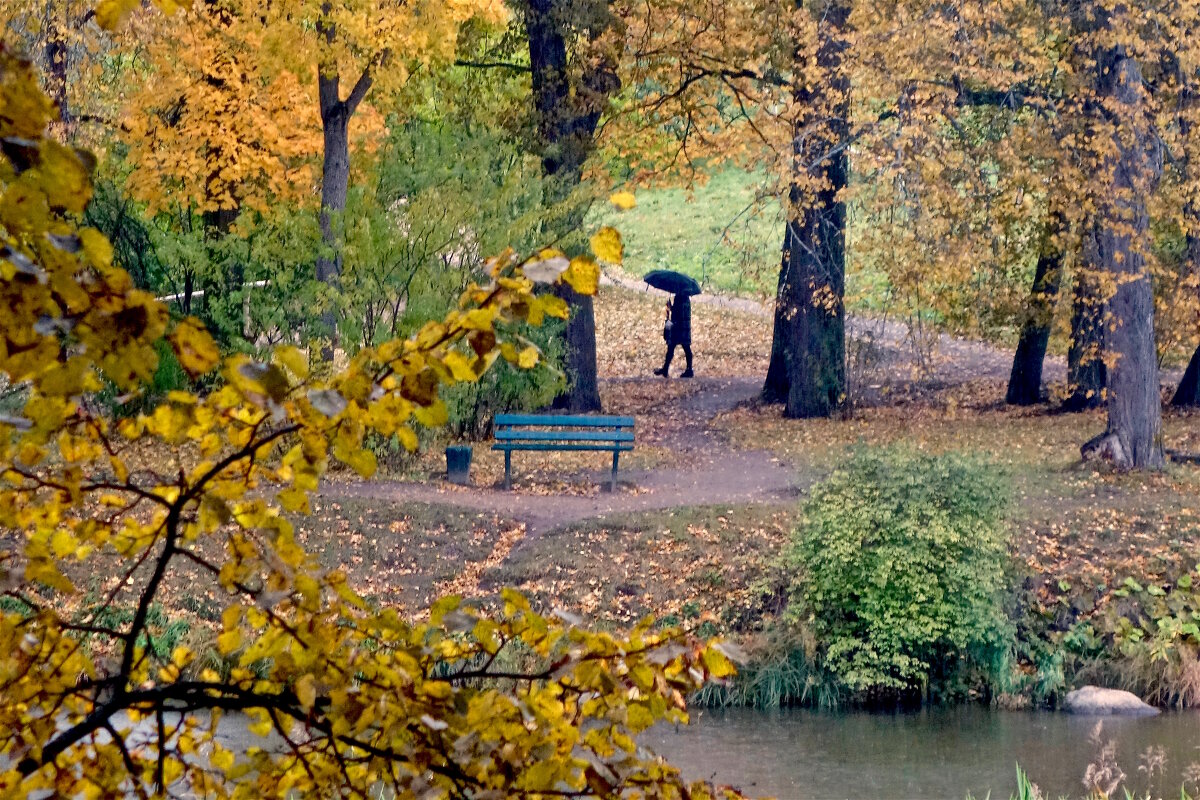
pixel 681 320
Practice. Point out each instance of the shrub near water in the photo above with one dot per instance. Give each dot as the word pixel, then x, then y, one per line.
pixel 900 562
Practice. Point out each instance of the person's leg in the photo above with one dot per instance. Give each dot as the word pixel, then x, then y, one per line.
pixel 667 363
pixel 687 352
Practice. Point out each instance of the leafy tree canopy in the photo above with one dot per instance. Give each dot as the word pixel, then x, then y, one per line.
pixel 348 697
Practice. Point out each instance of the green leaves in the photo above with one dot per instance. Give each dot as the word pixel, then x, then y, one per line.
pixel 903 557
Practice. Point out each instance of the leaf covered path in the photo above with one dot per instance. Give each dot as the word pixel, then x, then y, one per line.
pixel 699 469
pixel 681 459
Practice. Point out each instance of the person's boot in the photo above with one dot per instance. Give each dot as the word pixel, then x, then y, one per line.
pixel 687 373
pixel 661 371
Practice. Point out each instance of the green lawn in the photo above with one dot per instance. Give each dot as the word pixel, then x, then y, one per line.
pixel 724 237
pixel 716 233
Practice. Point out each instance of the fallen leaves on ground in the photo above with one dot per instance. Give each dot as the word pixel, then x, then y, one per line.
pixel 1079 524
pixel 400 555
pixel 688 563
pixel 629 341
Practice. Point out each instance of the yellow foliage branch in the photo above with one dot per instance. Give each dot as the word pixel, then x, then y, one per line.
pixel 346 698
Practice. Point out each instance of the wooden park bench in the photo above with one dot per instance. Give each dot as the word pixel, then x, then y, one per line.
pixel 561 432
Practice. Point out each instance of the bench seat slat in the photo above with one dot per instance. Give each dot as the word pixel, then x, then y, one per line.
pixel 569 436
pixel 561 432
pixel 561 420
pixel 608 448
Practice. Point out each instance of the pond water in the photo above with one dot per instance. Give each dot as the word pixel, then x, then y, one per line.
pixel 934 753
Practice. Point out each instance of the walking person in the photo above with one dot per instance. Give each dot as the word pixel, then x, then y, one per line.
pixel 678 333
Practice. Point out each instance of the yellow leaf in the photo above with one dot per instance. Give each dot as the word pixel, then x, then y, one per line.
pixel 262 727
pixel 294 499
pixel 62 543
pixel 606 244
pixel 293 359
pixel 716 663
pixel 459 366
pixel 555 306
pixel 430 335
pixel 96 247
pixel 433 415
pixel 306 691
pixel 182 656
pixel 623 200
pixel 229 641
pixel 361 461
pixel 528 358
pixel 24 108
pixel 195 349
pixel 221 758
pixel 583 275
pixel 110 13
pixel 480 319
pixel 407 438
pixel 65 180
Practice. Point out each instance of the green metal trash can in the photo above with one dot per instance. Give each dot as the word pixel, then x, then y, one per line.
pixel 458 464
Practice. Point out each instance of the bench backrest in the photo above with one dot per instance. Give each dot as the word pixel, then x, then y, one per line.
pixel 563 427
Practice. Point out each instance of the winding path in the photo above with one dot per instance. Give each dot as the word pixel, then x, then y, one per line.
pixel 709 473
pixel 707 470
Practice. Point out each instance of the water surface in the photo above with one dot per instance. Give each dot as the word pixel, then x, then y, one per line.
pixel 935 753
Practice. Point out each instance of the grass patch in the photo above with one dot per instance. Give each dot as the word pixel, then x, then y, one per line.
pixel 726 236
pixel 718 233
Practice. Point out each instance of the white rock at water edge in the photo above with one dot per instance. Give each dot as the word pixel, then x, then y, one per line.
pixel 1109 702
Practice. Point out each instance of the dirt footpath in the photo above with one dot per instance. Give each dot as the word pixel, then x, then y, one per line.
pixel 703 470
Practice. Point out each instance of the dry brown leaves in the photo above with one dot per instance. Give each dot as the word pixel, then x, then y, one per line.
pixel 629 340
pixel 403 555
pixel 690 563
pixel 1076 523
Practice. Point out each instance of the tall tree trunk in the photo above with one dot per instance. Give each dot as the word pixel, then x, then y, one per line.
pixel 582 394
pixel 1025 382
pixel 335 171
pixel 56 64
pixel 567 117
pixel 335 182
pixel 775 388
pixel 808 352
pixel 1087 375
pixel 1134 403
pixel 1188 391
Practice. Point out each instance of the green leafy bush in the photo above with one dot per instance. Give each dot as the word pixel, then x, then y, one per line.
pixel 1147 638
pixel 902 560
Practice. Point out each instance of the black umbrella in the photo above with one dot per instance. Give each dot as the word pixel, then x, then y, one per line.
pixel 671 281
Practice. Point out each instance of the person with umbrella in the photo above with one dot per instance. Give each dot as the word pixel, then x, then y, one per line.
pixel 678 329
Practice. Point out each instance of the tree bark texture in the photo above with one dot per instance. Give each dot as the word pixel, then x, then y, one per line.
pixel 567 117
pixel 335 175
pixel 1025 382
pixel 1134 401
pixel 1087 375
pixel 807 371
pixel 582 394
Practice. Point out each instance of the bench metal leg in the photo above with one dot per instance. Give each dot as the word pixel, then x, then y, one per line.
pixel 613 486
pixel 508 469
